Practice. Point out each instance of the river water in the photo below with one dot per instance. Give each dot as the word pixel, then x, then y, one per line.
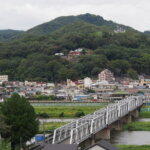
pixel 131 137
pixel 56 120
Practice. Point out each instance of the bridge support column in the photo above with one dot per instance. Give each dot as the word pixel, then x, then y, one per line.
pixel 129 118
pixel 88 142
pixel 116 125
pixel 135 113
pixel 104 134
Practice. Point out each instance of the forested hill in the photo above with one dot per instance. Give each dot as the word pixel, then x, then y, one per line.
pixel 6 35
pixel 147 32
pixel 122 49
pixel 59 22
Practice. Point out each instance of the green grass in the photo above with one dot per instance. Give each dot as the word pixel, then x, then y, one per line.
pixel 144 114
pixel 4 145
pixel 137 126
pixel 134 147
pixel 49 127
pixel 69 111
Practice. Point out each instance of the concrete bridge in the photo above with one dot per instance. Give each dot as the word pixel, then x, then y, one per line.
pixel 98 125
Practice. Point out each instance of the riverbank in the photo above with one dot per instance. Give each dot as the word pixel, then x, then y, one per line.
pixel 49 127
pixel 133 147
pixel 137 126
pixel 144 114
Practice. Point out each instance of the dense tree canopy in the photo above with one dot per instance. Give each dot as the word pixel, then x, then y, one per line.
pixel 21 118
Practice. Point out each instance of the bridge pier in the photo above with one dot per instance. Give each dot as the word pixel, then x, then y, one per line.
pixel 88 142
pixel 135 113
pixel 116 125
pixel 129 118
pixel 103 134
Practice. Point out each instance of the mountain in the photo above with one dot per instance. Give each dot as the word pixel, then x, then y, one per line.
pixel 6 35
pixel 147 32
pixel 59 22
pixel 31 54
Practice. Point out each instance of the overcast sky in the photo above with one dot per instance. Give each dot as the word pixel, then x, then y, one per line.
pixel 25 14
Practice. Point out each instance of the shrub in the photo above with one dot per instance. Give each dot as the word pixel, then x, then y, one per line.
pixel 61 115
pixel 43 115
pixel 79 114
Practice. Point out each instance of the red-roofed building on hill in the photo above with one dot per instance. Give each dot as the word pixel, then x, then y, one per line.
pixel 74 53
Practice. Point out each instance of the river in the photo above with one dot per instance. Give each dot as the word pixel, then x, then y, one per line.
pixel 131 137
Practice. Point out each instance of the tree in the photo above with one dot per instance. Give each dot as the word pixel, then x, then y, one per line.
pixel 21 118
pixel 4 128
pixel 132 74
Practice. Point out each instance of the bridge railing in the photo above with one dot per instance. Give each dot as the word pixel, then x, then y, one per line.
pixel 98 124
pixel 80 133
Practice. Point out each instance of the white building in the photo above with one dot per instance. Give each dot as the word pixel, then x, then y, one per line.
pixel 3 78
pixel 59 54
pixel 119 30
pixel 87 82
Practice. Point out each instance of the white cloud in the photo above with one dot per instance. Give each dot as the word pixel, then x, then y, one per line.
pixel 24 14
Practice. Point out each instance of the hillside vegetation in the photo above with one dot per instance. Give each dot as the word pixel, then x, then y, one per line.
pixel 32 55
pixel 7 35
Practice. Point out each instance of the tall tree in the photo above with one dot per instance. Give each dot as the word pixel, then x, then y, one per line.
pixel 21 118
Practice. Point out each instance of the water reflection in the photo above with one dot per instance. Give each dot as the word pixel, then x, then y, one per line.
pixel 130 138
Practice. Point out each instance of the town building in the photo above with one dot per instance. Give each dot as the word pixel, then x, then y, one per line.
pixel 106 75
pixel 74 53
pixel 3 78
pixel 87 82
pixel 145 81
pixel 59 54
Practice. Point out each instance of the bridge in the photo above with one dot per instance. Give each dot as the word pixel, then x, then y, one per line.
pixel 86 130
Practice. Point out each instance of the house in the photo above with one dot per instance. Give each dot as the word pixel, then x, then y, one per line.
pixel 87 82
pixel 74 53
pixel 59 54
pixel 79 84
pixel 102 145
pixel 3 78
pixel 79 50
pixel 145 81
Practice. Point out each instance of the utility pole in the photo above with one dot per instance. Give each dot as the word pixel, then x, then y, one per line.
pixel 43 131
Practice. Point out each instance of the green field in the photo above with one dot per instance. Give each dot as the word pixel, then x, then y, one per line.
pixel 68 111
pixel 134 147
pixel 49 127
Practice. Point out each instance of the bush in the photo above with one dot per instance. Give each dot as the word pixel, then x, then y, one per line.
pixel 61 115
pixel 43 115
pixel 79 114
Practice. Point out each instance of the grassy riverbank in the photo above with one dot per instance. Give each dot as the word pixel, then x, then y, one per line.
pixel 137 126
pixel 134 147
pixel 64 111
pixel 144 114
pixel 49 127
